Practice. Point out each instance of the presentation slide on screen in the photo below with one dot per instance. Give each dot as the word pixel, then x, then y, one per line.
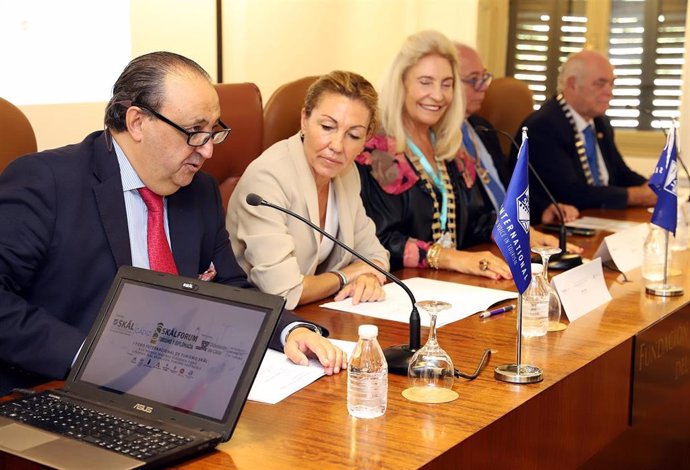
pixel 187 352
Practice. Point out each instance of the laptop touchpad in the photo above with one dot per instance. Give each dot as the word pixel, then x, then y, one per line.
pixel 68 453
pixel 18 437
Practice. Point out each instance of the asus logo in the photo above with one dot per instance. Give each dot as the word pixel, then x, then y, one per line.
pixel 144 408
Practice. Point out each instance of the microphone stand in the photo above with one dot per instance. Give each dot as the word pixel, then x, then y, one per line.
pixel 398 357
pixel 563 260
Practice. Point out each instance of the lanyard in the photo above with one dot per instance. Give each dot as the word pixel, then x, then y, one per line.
pixel 435 177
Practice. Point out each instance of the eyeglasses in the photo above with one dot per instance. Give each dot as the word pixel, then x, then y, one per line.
pixel 479 83
pixel 195 139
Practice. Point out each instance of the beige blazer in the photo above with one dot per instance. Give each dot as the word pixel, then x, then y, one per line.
pixel 276 250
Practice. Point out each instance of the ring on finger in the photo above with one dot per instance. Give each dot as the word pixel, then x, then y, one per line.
pixel 483 264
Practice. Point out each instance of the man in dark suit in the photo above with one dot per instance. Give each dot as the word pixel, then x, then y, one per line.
pixel 70 217
pixel 571 141
pixel 481 140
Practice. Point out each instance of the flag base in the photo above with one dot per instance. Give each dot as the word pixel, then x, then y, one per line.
pixel 663 290
pixel 525 375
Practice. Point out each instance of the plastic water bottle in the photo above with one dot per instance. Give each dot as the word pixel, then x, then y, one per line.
pixel 535 305
pixel 653 254
pixel 367 376
pixel 680 241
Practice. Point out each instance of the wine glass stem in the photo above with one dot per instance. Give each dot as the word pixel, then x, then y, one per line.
pixel 545 262
pixel 432 329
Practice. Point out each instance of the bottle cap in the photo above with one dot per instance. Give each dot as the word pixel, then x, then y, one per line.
pixel 368 331
pixel 537 268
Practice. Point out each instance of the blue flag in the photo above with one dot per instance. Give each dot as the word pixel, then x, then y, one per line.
pixel 511 232
pixel 664 183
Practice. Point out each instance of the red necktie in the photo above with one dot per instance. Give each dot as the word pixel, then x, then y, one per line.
pixel 160 256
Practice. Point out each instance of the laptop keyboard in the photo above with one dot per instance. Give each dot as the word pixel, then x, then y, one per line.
pixel 68 419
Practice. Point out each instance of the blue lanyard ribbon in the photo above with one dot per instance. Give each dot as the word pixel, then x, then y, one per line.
pixel 435 177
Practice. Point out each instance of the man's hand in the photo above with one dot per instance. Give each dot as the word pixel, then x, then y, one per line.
pixel 550 214
pixel 303 342
pixel 641 195
pixel 538 238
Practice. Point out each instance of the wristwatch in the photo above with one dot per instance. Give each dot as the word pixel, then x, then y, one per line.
pixel 309 326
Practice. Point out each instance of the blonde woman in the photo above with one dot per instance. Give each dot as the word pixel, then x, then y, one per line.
pixel 312 173
pixel 424 197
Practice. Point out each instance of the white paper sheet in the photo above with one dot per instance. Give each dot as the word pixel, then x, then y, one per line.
pixel 598 223
pixel 582 289
pixel 278 377
pixel 466 300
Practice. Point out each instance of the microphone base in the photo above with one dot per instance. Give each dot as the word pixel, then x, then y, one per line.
pixel 565 261
pixel 398 358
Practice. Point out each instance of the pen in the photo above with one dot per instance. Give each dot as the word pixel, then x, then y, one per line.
pixel 496 311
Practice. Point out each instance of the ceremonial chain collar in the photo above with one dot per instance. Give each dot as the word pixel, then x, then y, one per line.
pixel 436 229
pixel 579 143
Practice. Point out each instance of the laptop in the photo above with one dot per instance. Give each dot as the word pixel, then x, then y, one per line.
pixel 163 374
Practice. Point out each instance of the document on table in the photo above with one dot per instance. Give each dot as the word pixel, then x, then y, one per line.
pixel 598 223
pixel 278 377
pixel 465 300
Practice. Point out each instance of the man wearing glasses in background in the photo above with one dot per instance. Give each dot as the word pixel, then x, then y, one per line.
pixel 129 195
pixel 571 142
pixel 480 140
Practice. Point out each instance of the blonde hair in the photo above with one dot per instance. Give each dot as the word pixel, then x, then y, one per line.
pixel 392 96
pixel 349 85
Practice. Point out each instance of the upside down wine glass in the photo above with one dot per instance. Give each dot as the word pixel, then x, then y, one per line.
pixel 554 302
pixel 431 371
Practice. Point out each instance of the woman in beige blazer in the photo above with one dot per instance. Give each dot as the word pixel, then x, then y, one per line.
pixel 312 173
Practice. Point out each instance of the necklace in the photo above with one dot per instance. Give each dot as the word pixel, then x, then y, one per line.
pixel 443 225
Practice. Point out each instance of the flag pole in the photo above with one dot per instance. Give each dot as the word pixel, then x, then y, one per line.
pixel 664 183
pixel 665 258
pixel 517 373
pixel 518 344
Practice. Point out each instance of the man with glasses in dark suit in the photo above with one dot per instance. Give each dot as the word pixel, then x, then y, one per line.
pixel 129 195
pixel 481 140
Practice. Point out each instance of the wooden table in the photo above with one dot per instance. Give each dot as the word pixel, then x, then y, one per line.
pixel 579 415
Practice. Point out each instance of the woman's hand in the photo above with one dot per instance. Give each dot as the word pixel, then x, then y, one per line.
pixel 480 263
pixel 356 269
pixel 363 288
pixel 538 238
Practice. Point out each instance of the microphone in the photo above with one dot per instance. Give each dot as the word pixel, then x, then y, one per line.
pixel 649 113
pixel 564 260
pixel 398 357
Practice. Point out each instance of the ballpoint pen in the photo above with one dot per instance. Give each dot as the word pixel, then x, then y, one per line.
pixel 496 311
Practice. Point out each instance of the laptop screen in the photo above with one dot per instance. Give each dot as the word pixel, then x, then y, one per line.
pixel 181 349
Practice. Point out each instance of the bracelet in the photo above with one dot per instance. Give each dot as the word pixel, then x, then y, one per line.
pixel 433 255
pixel 341 277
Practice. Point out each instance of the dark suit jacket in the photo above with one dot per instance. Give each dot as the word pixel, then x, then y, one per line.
pixel 63 235
pixel 552 153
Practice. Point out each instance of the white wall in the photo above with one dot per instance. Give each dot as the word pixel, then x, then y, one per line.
pixel 268 42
